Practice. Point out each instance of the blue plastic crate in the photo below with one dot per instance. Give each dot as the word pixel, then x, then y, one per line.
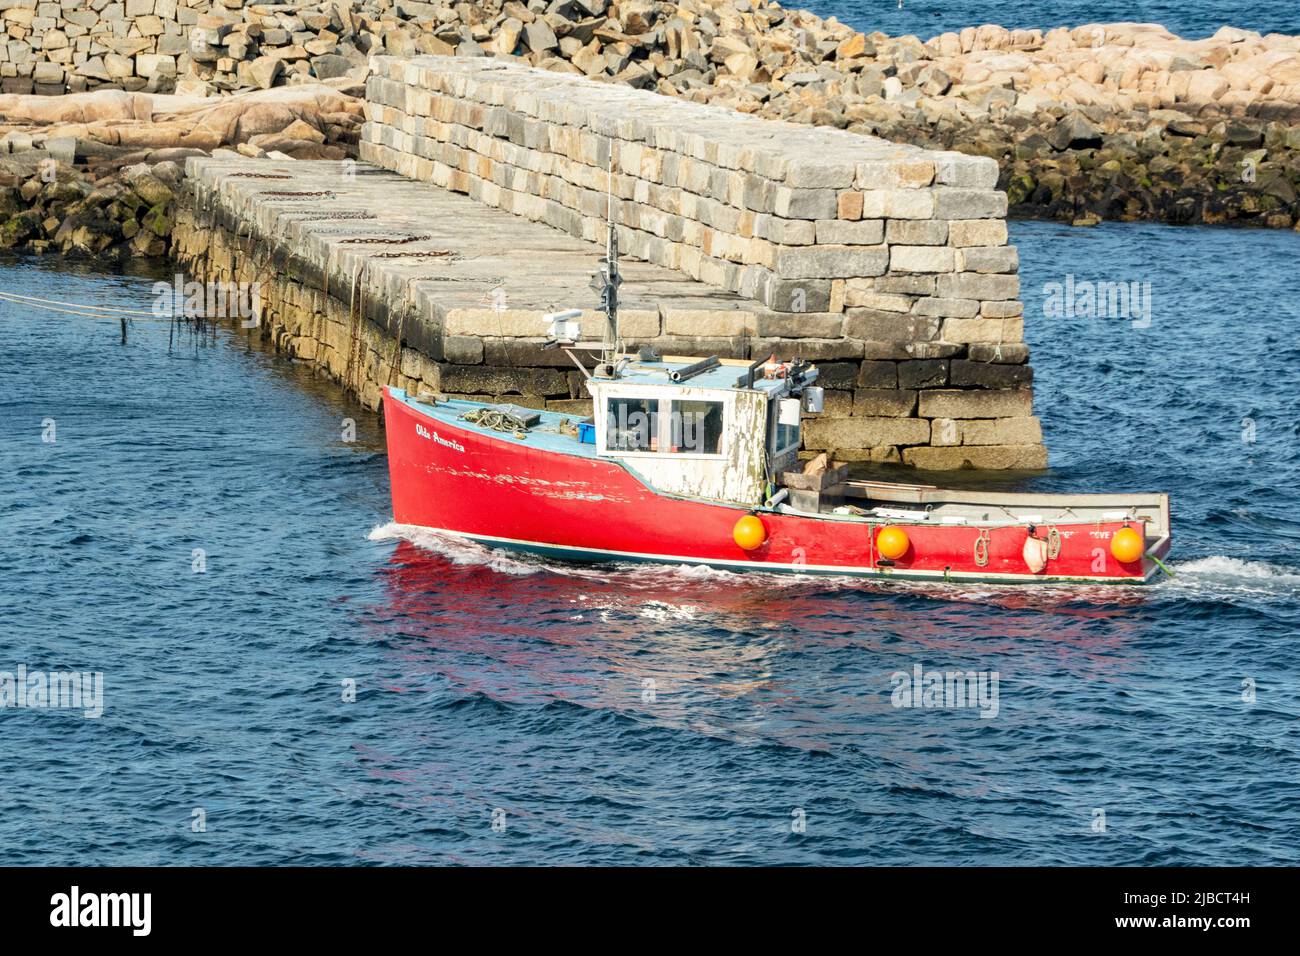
pixel 587 433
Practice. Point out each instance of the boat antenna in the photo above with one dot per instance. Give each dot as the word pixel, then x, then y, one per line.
pixel 609 279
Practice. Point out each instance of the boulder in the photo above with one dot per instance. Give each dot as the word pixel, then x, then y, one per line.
pixel 147 186
pixel 540 37
pixel 1074 131
pixel 264 71
pixel 329 66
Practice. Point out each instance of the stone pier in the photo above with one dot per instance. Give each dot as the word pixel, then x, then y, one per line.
pixel 886 264
pixel 349 258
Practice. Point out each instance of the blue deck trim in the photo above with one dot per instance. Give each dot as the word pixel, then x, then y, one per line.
pixel 545 436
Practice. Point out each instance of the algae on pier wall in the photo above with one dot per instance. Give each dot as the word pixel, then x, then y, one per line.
pixel 301 319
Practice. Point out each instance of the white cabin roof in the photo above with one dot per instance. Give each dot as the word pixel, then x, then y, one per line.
pixel 730 373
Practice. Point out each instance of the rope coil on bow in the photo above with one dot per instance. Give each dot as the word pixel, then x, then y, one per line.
pixel 498 420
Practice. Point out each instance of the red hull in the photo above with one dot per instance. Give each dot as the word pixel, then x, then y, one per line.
pixel 501 491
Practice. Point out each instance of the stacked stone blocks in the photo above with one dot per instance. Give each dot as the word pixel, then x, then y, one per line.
pixel 886 263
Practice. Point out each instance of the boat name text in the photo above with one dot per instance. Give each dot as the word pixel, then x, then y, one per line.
pixel 446 442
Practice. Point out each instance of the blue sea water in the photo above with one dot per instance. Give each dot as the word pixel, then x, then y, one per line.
pixel 637 715
pixel 927 18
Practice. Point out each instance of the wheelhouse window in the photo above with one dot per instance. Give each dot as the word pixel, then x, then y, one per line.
pixel 632 424
pixel 785 433
pixel 696 427
pixel 787 437
pixel 665 426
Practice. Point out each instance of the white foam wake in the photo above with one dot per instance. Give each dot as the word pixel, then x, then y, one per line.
pixel 454 548
pixel 630 574
pixel 1219 566
pixel 1226 578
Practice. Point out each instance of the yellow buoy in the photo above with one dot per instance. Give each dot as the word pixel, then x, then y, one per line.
pixel 1127 545
pixel 892 542
pixel 749 533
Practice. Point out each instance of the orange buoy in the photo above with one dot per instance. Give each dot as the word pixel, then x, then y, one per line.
pixel 892 543
pixel 749 532
pixel 1127 546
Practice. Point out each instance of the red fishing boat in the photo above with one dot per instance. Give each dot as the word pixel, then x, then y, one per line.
pixel 695 461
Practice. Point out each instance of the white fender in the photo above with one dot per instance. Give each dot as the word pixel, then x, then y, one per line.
pixel 1035 554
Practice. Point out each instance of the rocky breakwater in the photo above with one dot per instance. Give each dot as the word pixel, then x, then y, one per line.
pixel 887 264
pixel 1123 121
pixel 1104 121
pixel 188 46
pixel 97 173
pixel 1117 121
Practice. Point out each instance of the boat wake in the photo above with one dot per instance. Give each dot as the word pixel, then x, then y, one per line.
pixel 464 551
pixel 1218 577
pixel 1214 578
pixel 1218 566
pixel 457 550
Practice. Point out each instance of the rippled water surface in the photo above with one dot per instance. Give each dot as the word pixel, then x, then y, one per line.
pixel 927 18
pixel 634 715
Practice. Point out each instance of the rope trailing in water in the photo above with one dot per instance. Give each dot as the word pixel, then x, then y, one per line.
pixel 1161 565
pixel 498 420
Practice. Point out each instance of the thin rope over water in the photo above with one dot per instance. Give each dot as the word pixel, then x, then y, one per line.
pixel 198 325
pixel 80 308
